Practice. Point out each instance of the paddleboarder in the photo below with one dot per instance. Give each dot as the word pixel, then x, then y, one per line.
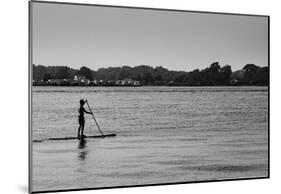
pixel 81 119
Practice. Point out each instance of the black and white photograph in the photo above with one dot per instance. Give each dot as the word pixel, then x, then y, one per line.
pixel 125 97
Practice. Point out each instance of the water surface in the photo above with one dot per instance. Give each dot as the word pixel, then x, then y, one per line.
pixel 164 134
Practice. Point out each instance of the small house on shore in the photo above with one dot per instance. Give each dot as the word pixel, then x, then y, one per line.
pixel 82 79
pixel 136 83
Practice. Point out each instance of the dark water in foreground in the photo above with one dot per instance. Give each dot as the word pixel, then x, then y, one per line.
pixel 164 134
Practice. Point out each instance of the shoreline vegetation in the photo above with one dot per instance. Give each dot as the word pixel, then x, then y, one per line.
pixel 144 75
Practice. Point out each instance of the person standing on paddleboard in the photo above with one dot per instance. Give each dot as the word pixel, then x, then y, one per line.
pixel 81 119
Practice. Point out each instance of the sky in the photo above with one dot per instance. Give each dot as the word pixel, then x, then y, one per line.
pixel 97 37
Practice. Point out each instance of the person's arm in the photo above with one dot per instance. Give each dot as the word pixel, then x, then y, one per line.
pixel 86 111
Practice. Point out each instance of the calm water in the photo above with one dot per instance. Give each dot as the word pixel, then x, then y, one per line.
pixel 164 134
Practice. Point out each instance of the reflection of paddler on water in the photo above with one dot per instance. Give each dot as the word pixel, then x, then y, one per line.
pixel 82 149
pixel 81 119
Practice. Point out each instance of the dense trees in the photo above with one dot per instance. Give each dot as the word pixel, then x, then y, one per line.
pixel 47 77
pixel 86 72
pixel 62 73
pixel 38 72
pixel 214 75
pixel 41 72
pixel 255 74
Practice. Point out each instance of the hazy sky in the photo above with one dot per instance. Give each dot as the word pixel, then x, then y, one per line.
pixel 102 37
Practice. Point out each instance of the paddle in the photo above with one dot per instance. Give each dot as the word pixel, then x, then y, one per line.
pixel 94 118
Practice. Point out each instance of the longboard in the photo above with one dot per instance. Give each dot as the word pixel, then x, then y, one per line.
pixel 69 138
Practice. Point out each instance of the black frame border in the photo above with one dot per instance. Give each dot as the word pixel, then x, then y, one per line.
pixel 30 56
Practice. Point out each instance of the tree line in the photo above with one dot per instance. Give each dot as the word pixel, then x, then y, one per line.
pixel 214 75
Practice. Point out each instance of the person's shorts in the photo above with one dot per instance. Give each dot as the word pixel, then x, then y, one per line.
pixel 81 120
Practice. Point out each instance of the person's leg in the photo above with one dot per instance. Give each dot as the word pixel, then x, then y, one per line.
pixel 82 130
pixel 79 128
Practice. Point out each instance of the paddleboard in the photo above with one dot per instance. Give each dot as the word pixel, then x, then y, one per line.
pixel 69 138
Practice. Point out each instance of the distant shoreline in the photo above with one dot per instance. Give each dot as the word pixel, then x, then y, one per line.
pixel 143 75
